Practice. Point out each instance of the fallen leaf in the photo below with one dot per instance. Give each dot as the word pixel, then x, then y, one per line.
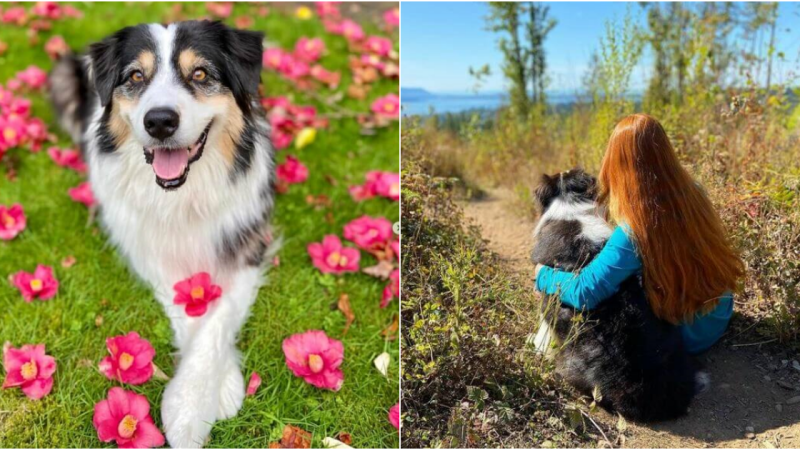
pixel 390 332
pixel 382 363
pixel 381 270
pixel 294 437
pixel 357 92
pixel 98 321
pixel 330 442
pixel 344 307
pixel 159 374
pixel 320 201
pixel 85 363
pixel 68 262
pixel 332 181
pixel 345 438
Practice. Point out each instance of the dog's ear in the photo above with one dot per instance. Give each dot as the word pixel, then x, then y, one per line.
pixel 583 183
pixel 104 69
pixel 245 51
pixel 545 191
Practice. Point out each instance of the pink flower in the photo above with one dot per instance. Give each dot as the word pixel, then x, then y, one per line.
pixel 316 358
pixel 222 10
pixel 12 221
pixel 14 15
pixel 254 383
pixel 369 233
pixel 67 158
pixel 70 11
pixel 331 257
pixel 392 18
pixel 281 139
pixel 351 30
pixel 275 58
pixel 50 10
pixel 396 249
pixel 40 284
pixel 125 418
pixel 394 415
pixel 392 290
pixel 196 292
pixel 380 46
pixel 30 369
pixel 56 46
pixel 387 106
pixel 328 10
pixel 33 76
pixel 384 184
pixel 12 132
pixel 82 194
pixel 309 50
pixel 324 76
pixel 372 60
pixel 292 171
pixel 131 359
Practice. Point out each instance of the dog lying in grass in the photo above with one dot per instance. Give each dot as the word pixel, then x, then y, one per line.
pixel 147 104
pixel 631 361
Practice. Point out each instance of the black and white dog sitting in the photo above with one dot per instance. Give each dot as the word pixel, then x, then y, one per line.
pixel 635 360
pixel 148 104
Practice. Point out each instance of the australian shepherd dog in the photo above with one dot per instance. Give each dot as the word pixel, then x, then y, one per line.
pixel 181 165
pixel 631 361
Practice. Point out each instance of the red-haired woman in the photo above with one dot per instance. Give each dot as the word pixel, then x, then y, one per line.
pixel 668 231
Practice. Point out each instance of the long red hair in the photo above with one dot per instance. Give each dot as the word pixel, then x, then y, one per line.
pixel 688 262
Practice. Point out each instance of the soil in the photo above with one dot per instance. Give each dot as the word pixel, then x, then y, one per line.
pixel 754 398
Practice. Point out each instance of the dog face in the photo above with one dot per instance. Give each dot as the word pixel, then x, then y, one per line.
pixel 572 186
pixel 176 90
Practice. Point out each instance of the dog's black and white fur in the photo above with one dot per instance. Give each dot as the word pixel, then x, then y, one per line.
pixel 635 360
pixel 182 168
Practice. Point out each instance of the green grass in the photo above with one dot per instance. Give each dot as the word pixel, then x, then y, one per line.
pixel 297 297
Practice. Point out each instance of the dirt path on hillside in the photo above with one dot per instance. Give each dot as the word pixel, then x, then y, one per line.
pixel 754 400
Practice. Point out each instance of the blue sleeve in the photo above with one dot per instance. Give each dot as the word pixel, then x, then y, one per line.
pixel 706 329
pixel 599 280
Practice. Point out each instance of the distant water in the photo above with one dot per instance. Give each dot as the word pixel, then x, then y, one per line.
pixel 454 103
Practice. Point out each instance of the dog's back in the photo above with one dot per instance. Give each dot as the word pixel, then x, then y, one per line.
pixel 621 350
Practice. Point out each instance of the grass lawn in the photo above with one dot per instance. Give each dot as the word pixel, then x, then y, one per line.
pixel 99 297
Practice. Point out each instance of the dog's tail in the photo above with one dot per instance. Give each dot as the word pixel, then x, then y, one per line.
pixel 69 93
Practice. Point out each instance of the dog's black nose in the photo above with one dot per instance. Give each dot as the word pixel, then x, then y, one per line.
pixel 161 123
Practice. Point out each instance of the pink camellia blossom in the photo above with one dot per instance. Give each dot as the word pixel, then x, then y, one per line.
pixel 281 139
pixel 50 10
pixel 131 359
pixel 14 15
pixel 396 249
pixel 383 184
pixel 351 30
pixel 316 358
pixel 331 257
pixel 392 18
pixel 325 76
pixel 328 10
pixel 30 369
pixel 82 194
pixel 12 221
pixel 292 171
pixel 392 290
pixel 55 47
pixel 394 415
pixel 275 58
pixel 369 233
pixel 67 158
pixel 33 76
pixel 296 69
pixel 222 10
pixel 70 11
pixel 309 49
pixel 254 383
pixel 387 106
pixel 380 46
pixel 124 417
pixel 196 292
pixel 40 284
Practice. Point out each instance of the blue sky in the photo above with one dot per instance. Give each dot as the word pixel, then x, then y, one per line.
pixel 441 40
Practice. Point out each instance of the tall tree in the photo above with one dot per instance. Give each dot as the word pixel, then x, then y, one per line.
pixel 538 27
pixel 505 20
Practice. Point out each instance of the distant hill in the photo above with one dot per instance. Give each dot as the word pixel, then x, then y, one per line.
pixel 414 94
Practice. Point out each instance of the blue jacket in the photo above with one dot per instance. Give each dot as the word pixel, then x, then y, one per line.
pixel 601 278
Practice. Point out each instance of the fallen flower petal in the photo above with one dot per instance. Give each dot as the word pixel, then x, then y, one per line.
pixel 131 359
pixel 368 233
pixel 83 194
pixel 55 47
pixel 292 171
pixel 330 442
pixel 382 363
pixel 33 76
pixel 40 284
pixel 305 137
pixel 30 369
pixel 67 158
pixel 196 292
pixel 394 415
pixel 392 18
pixel 254 383
pixel 12 221
pixel 392 290
pixel 124 417
pixel 316 358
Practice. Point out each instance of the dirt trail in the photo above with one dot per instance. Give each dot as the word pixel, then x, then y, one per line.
pixel 754 400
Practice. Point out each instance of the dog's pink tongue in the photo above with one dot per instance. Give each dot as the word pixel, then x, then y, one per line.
pixel 170 164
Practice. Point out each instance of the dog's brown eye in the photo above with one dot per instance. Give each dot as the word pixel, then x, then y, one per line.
pixel 199 75
pixel 137 77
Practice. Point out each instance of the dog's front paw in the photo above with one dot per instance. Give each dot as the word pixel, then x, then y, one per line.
pixel 188 412
pixel 231 393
